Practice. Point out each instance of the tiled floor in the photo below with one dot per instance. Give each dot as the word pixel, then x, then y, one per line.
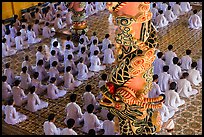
pixel 187 121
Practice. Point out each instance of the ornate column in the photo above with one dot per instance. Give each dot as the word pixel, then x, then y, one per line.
pixel 125 95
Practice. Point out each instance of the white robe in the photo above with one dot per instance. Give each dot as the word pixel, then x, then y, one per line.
pixel 51 129
pixel 199 66
pixel 90 10
pixel 42 72
pixel 39 56
pixel 168 56
pixel 54 93
pixel 177 10
pixel 13 117
pixel 164 7
pixel 28 17
pixel 172 100
pixel 24 34
pixel 172 4
pixel 89 98
pixel 20 44
pixel 32 39
pixel 83 73
pixel 69 18
pixel 10 41
pixel 72 64
pixel 53 72
pixel 29 67
pixel 170 15
pixel 108 57
pixel 69 81
pixel 161 21
pixel 158 66
pixel 13 31
pixel 105 44
pixel 70 43
pixel 73 111
pixel 186 62
pixel 164 81
pixel 58 24
pixel 84 56
pixel 200 15
pixel 38 86
pixel 96 64
pixel 185 6
pixel 175 72
pixel 99 6
pixel 25 81
pixel 19 96
pixel 6 91
pixel 93 48
pixel 37 29
pixel 3 30
pixel 108 126
pixel 165 113
pixel 194 22
pixel 154 13
pixel 86 39
pixel 47 32
pixel 67 131
pixel 94 38
pixel 34 103
pixel 185 89
pixel 155 91
pixel 6 51
pixel 194 77
pixel 10 75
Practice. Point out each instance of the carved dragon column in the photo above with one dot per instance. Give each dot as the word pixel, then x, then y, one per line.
pixel 125 95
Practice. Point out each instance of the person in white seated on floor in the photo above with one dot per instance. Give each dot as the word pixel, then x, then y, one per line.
pixel 7 93
pixel 69 17
pixel 32 39
pixel 18 94
pixel 10 41
pixel 83 72
pixel 154 11
pixel 172 4
pixel 25 79
pixel 86 39
pixel 69 42
pixel 158 64
pixel 164 6
pixel 28 16
pixel 70 62
pixel 47 33
pixel 184 86
pixel 169 55
pixel 108 57
pixel 105 42
pixel 159 5
pixel 194 21
pixel 53 57
pixel 6 51
pixel 52 90
pixel 55 46
pixel 101 83
pixel 99 6
pixel 49 126
pixel 34 103
pixel 96 63
pixel 69 131
pixel 36 28
pixel 73 110
pixel 13 30
pixel 170 16
pixel 40 88
pixel 38 16
pixel 24 32
pixel 185 6
pixel 186 61
pixel 58 24
pixel 90 120
pixel 3 28
pixel 41 70
pixel 83 55
pixel 49 16
pixel 200 15
pixel 89 98
pixel 81 44
pixel 199 65
pixel 155 91
pixel 69 81
pixel 90 10
pixel 177 9
pixel 175 70
pixel 94 47
pixel 12 116
pixel 27 64
pixel 39 55
pixel 160 20
pixel 109 125
pixel 20 44
pixel 93 37
pixel 9 73
pixel 53 72
pixel 164 79
pixel 172 99
pixel 194 75
pixel 68 51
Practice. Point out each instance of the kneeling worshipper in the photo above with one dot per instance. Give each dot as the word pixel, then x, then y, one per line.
pixel 194 21
pixel 185 6
pixel 96 63
pixel 49 126
pixel 194 75
pixel 32 39
pixel 170 15
pixel 6 51
pixel 108 57
pixel 6 89
pixel 160 20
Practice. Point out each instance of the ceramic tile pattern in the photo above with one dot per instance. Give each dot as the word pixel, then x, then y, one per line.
pixel 188 120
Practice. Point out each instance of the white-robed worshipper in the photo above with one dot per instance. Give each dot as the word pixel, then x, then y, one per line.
pixel 108 57
pixel 12 116
pixel 39 55
pixel 91 121
pixel 47 33
pixel 177 9
pixel 40 88
pixel 13 30
pixel 9 73
pixel 52 90
pixel 160 20
pixel 25 79
pixel 3 28
pixel 199 65
pixel 68 51
pixel 169 55
pixel 38 16
pixel 164 79
pixel 170 15
pixel 59 11
pixel 186 61
pixel 101 83
pixel 185 6
pixel 20 44
pixel 93 48
pixel 58 49
pixel 36 28
pixel 194 75
pixel 172 99
pixel 32 39
pixel 27 64
pixel 6 51
pixel 86 39
pixel 49 126
pixel 69 41
pixel 28 16
pixel 41 70
pixel 83 55
pixel 7 93
pixel 10 41
pixel 81 44
pixel 73 110
pixel 109 125
pixel 70 62
pixel 49 17
pixel 184 86
pixel 172 4
pixel 155 91
pixel 90 10
pixel 99 6
pixel 105 42
pixel 69 17
pixel 58 24
pixel 154 11
pixel 164 6
pixel 83 72
pixel 158 64
pixel 200 15
pixel 195 21
pixel 69 81
pixel 24 32
pixel 93 37
pixel 159 5
pixel 69 131
pixel 96 63
pixel 18 94
pixel 89 98
pixel 53 72
pixel 34 103
pixel 175 70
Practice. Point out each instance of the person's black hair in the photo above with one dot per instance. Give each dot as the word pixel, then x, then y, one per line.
pixel 40 48
pixel 159 54
pixel 40 62
pixel 177 2
pixel 68 37
pixel 68 46
pixel 24 69
pixel 23 26
pixel 4 40
pixel 154 5
pixel 10 102
pixel 70 123
pixel 172 86
pixel 8 32
pixel 32 89
pixel 169 8
pixel 83 32
pixel 55 43
pixel 170 47
pixel 195 11
pixel 73 97
pixel 104 76
pixel 15 16
pixel 28 10
pixel 185 74
pixel 96 52
pixel 194 64
pixel 51 117
pixel 110 116
pixel 81 60
pixel 54 63
pixel 94 33
pixel 4 78
pixel 90 108
pixel 58 15
pixel 47 24
pixel 109 46
pixel 35 75
pixel 88 88
pixel 83 49
pixel 53 52
pixel 69 57
pixel 18 33
pixel 188 52
pixel 91 132
pixel 7 65
pixel 165 68
pixel 175 60
pixel 3 21
pixel 37 21
pixel 155 76
pixel 39 4
pixel 17 82
pixel 68 68
pixel 160 11
pixel 81 40
pixel 36 10
pixel 26 58
pixel 52 80
pixel 94 41
pixel 29 27
pixel 107 36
